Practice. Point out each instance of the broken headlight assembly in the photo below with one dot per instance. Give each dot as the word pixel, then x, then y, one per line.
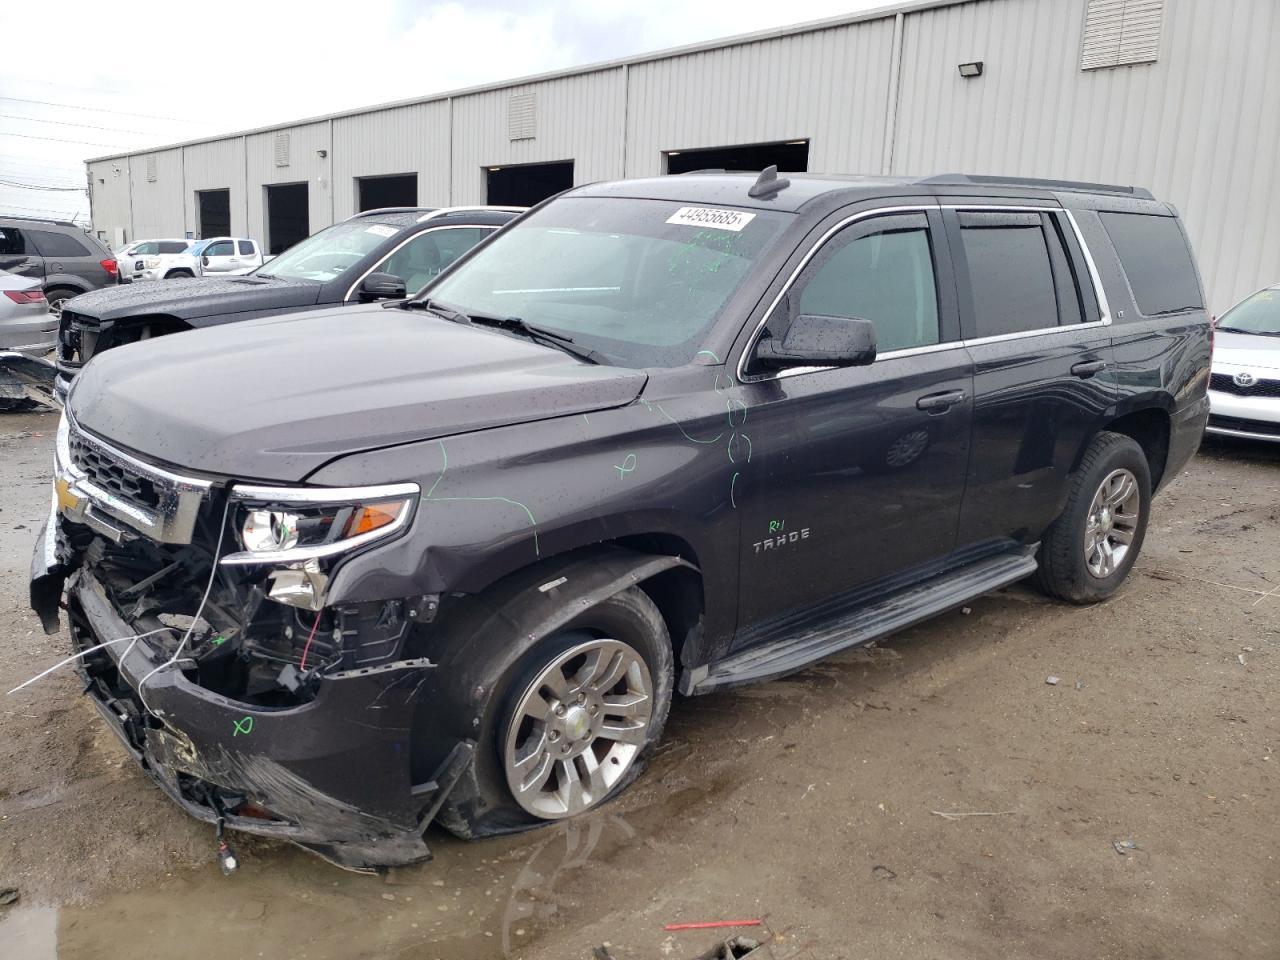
pixel 296 528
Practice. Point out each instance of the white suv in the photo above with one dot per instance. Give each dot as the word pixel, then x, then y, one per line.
pixel 227 256
pixel 157 260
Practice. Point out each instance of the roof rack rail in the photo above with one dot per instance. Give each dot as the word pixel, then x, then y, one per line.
pixel 380 211
pixel 963 178
pixel 53 220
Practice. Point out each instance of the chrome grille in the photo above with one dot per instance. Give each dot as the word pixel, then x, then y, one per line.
pixel 1260 387
pixel 115 492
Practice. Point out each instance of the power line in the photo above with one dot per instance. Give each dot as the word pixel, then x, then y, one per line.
pixel 37 186
pixel 123 113
pixel 86 143
pixel 68 123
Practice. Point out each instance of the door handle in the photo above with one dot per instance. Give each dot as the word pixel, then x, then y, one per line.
pixel 940 402
pixel 1088 368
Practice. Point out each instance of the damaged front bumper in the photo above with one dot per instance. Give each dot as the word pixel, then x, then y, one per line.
pixel 347 765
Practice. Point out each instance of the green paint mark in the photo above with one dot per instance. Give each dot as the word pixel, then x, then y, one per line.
pixel 515 503
pixel 628 464
pixel 444 453
pixel 219 640
pixel 776 526
pixel 732 484
pixel 244 726
pixel 709 353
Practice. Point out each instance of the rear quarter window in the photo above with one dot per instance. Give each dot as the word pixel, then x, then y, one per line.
pixel 1155 257
pixel 58 244
pixel 173 246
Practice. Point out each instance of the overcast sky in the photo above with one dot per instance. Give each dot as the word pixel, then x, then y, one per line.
pixel 110 77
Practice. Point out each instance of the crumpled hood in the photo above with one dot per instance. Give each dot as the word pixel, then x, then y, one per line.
pixel 190 299
pixel 1246 350
pixel 278 397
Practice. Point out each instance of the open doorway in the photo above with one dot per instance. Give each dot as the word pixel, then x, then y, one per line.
pixel 287 217
pixel 215 212
pixel 528 183
pixel 396 190
pixel 791 156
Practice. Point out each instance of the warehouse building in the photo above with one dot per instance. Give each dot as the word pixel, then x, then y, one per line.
pixel 1180 96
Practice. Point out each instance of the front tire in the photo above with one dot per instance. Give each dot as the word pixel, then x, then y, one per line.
pixel 1090 549
pixel 543 753
pixel 179 275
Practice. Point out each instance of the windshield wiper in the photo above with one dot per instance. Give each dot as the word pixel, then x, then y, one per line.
pixel 1251 333
pixel 439 308
pixel 548 338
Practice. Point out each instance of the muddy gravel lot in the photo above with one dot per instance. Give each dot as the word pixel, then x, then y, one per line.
pixel 930 797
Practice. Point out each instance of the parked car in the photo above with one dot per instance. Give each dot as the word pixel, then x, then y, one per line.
pixel 448 559
pixel 25 321
pixel 1244 390
pixel 227 256
pixel 63 257
pixel 381 254
pixel 157 260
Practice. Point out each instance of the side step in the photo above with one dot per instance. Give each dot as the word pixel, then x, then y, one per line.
pixel 859 623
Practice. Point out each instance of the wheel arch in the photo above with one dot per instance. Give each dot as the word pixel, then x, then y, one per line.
pixel 1151 428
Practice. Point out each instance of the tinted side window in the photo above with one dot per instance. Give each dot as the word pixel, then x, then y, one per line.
pixel 1156 260
pixel 1010 273
pixel 885 276
pixel 58 244
pixel 11 241
pixel 145 249
pixel 172 246
pixel 223 248
pixel 246 248
pixel 424 257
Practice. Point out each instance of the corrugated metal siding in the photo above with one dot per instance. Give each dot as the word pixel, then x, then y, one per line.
pixel 1199 127
pixel 578 119
pixel 830 87
pixel 110 199
pixel 404 140
pixel 216 166
pixel 305 166
pixel 157 204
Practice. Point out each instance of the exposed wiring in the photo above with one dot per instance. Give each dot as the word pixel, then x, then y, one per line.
pixel 213 575
pixel 311 636
pixel 84 653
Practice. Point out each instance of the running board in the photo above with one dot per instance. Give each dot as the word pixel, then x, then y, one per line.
pixel 858 622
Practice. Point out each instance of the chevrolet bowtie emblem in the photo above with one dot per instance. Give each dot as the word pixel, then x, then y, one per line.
pixel 67 500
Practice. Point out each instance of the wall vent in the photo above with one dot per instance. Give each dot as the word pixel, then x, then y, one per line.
pixel 282 149
pixel 1120 32
pixel 151 168
pixel 522 116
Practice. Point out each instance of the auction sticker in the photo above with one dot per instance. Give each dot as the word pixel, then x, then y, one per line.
pixel 711 217
pixel 381 230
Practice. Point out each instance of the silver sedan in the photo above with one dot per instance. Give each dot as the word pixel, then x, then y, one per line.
pixel 25 321
pixel 1244 388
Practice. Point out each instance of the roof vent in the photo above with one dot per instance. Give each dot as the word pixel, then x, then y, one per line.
pixel 522 116
pixel 768 184
pixel 282 149
pixel 1120 32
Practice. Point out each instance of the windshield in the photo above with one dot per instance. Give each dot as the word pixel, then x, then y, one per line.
pixel 330 252
pixel 1257 314
pixel 197 248
pixel 639 281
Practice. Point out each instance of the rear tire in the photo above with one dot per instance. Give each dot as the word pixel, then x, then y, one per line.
pixel 57 296
pixel 1088 551
pixel 483 804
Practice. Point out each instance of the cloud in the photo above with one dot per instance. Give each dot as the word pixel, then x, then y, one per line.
pixel 283 61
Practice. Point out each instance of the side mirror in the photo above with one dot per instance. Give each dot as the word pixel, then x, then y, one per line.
pixel 381 286
pixel 204 261
pixel 816 341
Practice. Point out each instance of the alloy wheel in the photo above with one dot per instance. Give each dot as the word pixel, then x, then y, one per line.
pixel 577 728
pixel 1112 523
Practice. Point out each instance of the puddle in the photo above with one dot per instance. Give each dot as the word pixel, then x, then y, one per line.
pixel 475 901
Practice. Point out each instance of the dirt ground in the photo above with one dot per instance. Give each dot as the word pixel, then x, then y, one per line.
pixel 815 802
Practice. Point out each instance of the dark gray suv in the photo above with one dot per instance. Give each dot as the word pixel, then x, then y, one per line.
pixel 62 256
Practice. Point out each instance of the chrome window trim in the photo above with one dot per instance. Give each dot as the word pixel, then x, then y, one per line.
pixel 1104 307
pixel 421 233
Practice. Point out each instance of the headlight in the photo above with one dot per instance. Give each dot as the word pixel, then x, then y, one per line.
pixel 292 524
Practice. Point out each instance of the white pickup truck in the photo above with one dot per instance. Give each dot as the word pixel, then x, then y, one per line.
pixel 225 256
